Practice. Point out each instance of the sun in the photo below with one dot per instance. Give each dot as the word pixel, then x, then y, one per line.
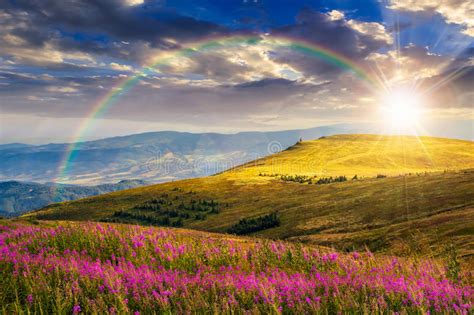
pixel 401 108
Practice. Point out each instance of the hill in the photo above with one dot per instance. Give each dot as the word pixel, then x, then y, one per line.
pixel 365 155
pixel 412 203
pixel 161 156
pixel 101 268
pixel 18 197
pixel 153 156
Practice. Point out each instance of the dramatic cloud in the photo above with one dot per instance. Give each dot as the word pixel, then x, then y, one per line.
pixel 373 29
pixel 227 65
pixel 33 30
pixel 409 63
pixel 59 59
pixel 454 11
pixel 352 39
pixel 451 90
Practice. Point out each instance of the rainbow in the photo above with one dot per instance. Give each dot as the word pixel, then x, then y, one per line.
pixel 202 46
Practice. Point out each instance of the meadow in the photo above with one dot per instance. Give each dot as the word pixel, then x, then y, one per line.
pixel 412 196
pixel 74 268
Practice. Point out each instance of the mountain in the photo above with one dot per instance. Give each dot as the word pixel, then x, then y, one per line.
pixel 7 146
pixel 409 193
pixel 166 156
pixel 154 156
pixel 19 197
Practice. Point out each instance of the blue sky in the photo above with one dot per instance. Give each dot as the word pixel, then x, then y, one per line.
pixel 58 59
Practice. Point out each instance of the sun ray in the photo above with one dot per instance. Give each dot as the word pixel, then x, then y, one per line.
pixel 446 79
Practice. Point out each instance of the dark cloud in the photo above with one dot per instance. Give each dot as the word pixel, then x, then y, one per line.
pixel 100 27
pixel 465 79
pixel 212 65
pixel 454 11
pixel 170 101
pixel 115 18
pixel 265 83
pixel 337 35
pixel 451 89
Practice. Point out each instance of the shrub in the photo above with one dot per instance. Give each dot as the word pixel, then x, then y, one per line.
pixel 246 226
pixel 329 180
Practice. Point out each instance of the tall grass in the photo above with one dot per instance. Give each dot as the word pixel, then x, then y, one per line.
pixel 104 268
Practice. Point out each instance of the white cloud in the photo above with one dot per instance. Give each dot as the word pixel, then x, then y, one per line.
pixel 336 15
pixel 61 89
pixel 46 55
pixel 133 2
pixel 226 65
pixel 120 67
pixel 374 29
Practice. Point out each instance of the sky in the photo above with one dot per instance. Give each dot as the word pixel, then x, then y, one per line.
pixel 60 61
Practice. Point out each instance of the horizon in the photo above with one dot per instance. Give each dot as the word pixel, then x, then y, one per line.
pixel 459 135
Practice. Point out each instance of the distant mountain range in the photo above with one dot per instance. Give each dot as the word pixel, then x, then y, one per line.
pixel 154 156
pixel 167 155
pixel 17 197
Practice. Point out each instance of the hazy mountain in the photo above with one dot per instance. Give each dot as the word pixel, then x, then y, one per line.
pixel 19 197
pixel 167 155
pixel 153 156
pixel 14 146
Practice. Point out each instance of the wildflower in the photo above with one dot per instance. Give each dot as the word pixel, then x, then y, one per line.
pixel 29 299
pixel 229 273
pixel 76 309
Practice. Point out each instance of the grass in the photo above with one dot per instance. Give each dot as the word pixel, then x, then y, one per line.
pixel 92 268
pixel 425 202
pixel 365 155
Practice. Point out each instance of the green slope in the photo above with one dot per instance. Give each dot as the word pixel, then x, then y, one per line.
pixel 426 201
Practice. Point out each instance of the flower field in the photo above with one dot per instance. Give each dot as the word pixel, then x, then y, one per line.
pixel 74 268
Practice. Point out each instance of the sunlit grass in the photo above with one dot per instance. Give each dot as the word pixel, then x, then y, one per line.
pixel 417 209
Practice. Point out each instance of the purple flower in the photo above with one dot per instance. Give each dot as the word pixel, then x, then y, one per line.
pixel 76 309
pixel 173 270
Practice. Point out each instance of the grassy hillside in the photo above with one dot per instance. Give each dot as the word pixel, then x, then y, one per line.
pixel 425 202
pixel 365 155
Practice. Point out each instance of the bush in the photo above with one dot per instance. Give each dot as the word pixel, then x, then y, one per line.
pixel 246 226
pixel 200 216
pixel 329 180
pixel 177 223
pixel 296 178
